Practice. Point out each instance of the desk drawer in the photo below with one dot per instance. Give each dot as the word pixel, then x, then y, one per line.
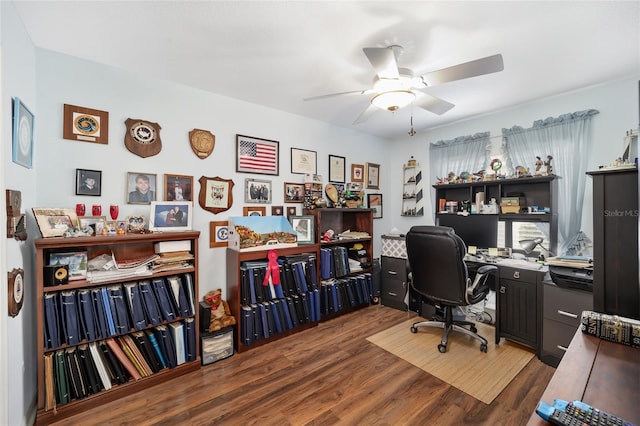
pixel 556 337
pixel 565 305
pixel 526 275
pixel 394 268
pixel 393 293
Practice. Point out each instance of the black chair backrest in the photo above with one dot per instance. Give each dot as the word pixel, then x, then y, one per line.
pixel 436 258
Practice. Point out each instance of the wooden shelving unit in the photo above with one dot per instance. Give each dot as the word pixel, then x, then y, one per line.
pixel 124 247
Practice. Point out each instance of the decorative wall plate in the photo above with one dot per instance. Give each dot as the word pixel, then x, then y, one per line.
pixel 15 292
pixel 202 142
pixel 142 137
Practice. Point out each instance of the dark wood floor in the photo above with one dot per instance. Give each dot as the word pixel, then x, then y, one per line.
pixel 327 375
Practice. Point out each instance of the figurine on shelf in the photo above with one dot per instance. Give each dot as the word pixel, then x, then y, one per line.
pixel 539 163
pixel 220 312
pixel 548 165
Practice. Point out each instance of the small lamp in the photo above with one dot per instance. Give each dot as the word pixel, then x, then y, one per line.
pixel 529 245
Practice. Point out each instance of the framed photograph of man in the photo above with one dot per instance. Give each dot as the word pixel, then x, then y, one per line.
pixel 257 191
pixel 88 182
pixel 178 188
pixel 141 188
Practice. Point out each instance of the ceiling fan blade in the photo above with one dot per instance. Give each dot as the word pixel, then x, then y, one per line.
pixel 383 60
pixel 331 95
pixel 483 66
pixel 432 104
pixel 366 114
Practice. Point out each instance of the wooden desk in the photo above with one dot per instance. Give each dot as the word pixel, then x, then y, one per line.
pixel 603 374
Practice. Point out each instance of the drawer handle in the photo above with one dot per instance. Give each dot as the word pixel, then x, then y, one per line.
pixel 392 272
pixel 562 348
pixel 567 314
pixel 392 294
pixel 516 274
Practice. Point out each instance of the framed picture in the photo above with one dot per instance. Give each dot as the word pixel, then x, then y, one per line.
pixel 178 188
pixel 291 211
pixel 304 228
pixel 54 222
pixel 357 173
pixel 254 211
pixel 141 188
pixel 218 234
pixel 135 223
pixel 257 191
pixel 112 226
pixel 277 211
pixel 88 182
pixel 170 216
pixel 336 169
pixel 293 192
pixel 255 155
pixel 355 186
pixel 77 262
pixel 373 176
pixel 22 134
pixel 303 161
pixel 216 194
pixel 95 223
pixel 375 203
pixel 85 124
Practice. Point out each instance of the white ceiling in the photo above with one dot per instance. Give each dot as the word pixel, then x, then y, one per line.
pixel 276 53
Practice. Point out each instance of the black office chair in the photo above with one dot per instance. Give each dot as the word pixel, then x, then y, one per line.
pixel 439 274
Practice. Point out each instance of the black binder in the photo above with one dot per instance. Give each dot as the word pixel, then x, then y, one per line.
pixel 118 307
pixel 77 388
pixel 144 346
pixel 134 303
pixel 113 364
pixel 179 295
pixel 166 341
pixel 292 311
pixel 61 378
pixel 87 314
pixel 158 348
pixel 258 332
pixel 247 324
pixel 69 315
pixel 92 381
pixel 190 339
pixel 102 326
pixel 164 301
pixel 51 321
pixel 149 303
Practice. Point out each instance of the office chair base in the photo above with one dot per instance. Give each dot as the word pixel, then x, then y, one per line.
pixel 458 326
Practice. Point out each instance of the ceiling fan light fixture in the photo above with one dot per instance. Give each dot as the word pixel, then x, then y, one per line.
pixel 393 100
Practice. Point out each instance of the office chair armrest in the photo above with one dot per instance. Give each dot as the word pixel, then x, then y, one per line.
pixel 479 289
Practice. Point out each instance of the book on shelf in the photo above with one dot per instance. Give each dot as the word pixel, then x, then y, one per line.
pixel 69 317
pixel 176 329
pixel 166 301
pixel 134 303
pixel 190 336
pixel 165 341
pixel 49 382
pixel 53 338
pixel 100 365
pixel 172 246
pixel 149 303
pixel 87 315
pixel 134 354
pixel 123 358
pixel 89 369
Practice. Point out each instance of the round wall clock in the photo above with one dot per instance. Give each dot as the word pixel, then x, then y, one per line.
pixel 15 292
pixel 202 142
pixel 142 137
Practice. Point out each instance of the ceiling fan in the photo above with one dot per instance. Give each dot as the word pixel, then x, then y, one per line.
pixel 394 87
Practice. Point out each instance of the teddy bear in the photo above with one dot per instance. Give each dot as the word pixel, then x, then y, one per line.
pixel 220 313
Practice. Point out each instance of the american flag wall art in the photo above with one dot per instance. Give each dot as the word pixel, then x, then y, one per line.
pixel 255 155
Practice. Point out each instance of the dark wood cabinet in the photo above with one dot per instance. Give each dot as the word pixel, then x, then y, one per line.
pixel 615 241
pixel 394 282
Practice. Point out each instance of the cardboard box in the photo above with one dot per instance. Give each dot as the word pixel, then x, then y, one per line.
pixel 254 233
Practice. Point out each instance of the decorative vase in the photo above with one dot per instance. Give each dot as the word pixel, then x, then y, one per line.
pixel 96 210
pixel 81 209
pixel 113 211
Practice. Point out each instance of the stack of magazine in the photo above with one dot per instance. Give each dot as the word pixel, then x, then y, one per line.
pixel 106 268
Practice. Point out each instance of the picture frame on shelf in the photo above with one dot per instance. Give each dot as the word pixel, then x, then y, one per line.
pixel 170 216
pixel 257 191
pixel 373 176
pixel 54 222
pixel 303 161
pixel 374 201
pixel 216 194
pixel 357 173
pixel 178 187
pixel 76 260
pixel 254 211
pixel 293 192
pixel 141 188
pixel 277 211
pixel 256 155
pixel 218 234
pixel 95 223
pixel 85 124
pixel 88 182
pixel 136 223
pixel 337 168
pixel 22 146
pixel 304 228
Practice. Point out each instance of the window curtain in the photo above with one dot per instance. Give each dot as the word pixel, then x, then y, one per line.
pixel 566 139
pixel 462 154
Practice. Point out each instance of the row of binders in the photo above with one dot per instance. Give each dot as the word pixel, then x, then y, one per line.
pixel 343 293
pixel 76 372
pixel 334 262
pixel 267 308
pixel 89 314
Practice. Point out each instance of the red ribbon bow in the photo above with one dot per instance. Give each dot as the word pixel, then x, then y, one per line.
pixel 273 270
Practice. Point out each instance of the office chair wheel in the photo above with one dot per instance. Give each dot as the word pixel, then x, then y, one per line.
pixel 473 328
pixel 414 329
pixel 483 347
pixel 442 348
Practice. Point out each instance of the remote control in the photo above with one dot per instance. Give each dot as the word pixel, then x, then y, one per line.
pixel 566 413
